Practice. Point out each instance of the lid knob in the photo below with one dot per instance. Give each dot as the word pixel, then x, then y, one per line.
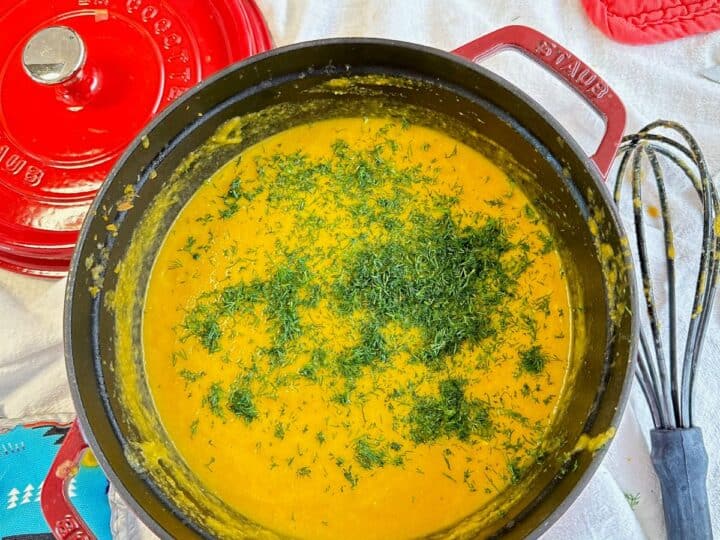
pixel 54 55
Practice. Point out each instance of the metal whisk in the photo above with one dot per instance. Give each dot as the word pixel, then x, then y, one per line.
pixel 667 380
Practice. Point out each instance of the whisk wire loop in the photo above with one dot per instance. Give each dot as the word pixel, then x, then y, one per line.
pixel 668 382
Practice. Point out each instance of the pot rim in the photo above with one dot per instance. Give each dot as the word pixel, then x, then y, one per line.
pixel 574 147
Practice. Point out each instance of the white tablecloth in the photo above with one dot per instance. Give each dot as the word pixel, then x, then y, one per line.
pixel 659 81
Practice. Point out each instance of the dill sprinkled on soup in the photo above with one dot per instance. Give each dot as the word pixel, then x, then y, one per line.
pixel 358 328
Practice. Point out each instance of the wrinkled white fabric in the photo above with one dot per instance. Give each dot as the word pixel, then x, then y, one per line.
pixel 660 81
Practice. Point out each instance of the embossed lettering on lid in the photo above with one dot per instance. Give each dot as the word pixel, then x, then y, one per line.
pixel 79 79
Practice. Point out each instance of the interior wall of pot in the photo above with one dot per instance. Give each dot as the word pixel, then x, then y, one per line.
pixel 474 109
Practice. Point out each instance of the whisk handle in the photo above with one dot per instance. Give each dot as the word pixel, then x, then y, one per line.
pixel 681 463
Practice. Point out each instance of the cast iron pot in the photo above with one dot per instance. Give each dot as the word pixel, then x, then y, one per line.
pixel 447 91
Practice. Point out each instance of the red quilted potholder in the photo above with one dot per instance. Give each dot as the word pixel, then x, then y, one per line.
pixel 652 21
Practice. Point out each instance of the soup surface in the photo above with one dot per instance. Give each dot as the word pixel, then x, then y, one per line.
pixel 358 328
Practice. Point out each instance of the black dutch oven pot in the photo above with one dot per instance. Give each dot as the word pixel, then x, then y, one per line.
pixel 564 183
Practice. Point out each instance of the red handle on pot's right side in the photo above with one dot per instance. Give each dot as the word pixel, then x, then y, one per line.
pixel 566 66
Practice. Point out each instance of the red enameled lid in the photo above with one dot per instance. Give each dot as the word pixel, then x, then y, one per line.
pixel 79 79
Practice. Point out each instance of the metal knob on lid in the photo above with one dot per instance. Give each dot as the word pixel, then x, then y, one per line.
pixel 54 55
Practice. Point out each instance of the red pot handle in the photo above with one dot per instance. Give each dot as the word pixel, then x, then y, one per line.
pixel 565 66
pixel 64 521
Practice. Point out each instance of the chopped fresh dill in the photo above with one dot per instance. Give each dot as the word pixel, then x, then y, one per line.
pixel 213 399
pixel 350 477
pixel 449 414
pixel 178 355
pixel 444 280
pixel 548 243
pixel 542 304
pixel 632 499
pixel 241 404
pixel 408 276
pixel 318 360
pixel 530 213
pixel 309 371
pixel 202 323
pixel 189 243
pixel 369 454
pixel 515 471
pixel 287 290
pixel 343 398
pixel 192 248
pixel 446 475
pixel 467 478
pixel 371 350
pixel 236 193
pixel 529 325
pixel 533 360
pixel 191 376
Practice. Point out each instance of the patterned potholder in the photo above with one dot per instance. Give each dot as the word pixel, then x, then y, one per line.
pixel 651 21
pixel 26 453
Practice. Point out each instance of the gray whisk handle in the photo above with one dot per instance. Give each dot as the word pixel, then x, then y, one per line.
pixel 681 463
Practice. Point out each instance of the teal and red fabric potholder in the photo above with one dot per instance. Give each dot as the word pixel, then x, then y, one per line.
pixel 639 22
pixel 27 452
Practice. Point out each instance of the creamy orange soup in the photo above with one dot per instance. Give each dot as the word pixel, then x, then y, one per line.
pixel 358 328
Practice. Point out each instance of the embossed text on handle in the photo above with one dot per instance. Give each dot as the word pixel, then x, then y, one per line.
pixel 572 69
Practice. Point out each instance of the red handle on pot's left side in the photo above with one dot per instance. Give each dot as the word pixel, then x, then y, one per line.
pixel 570 69
pixel 64 521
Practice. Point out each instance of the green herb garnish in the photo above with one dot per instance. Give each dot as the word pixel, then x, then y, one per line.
pixel 213 399
pixel 450 414
pixel 350 477
pixel 515 471
pixel 191 376
pixel 632 499
pixel 369 454
pixel 444 280
pixel 548 243
pixel 236 193
pixel 241 404
pixel 533 360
